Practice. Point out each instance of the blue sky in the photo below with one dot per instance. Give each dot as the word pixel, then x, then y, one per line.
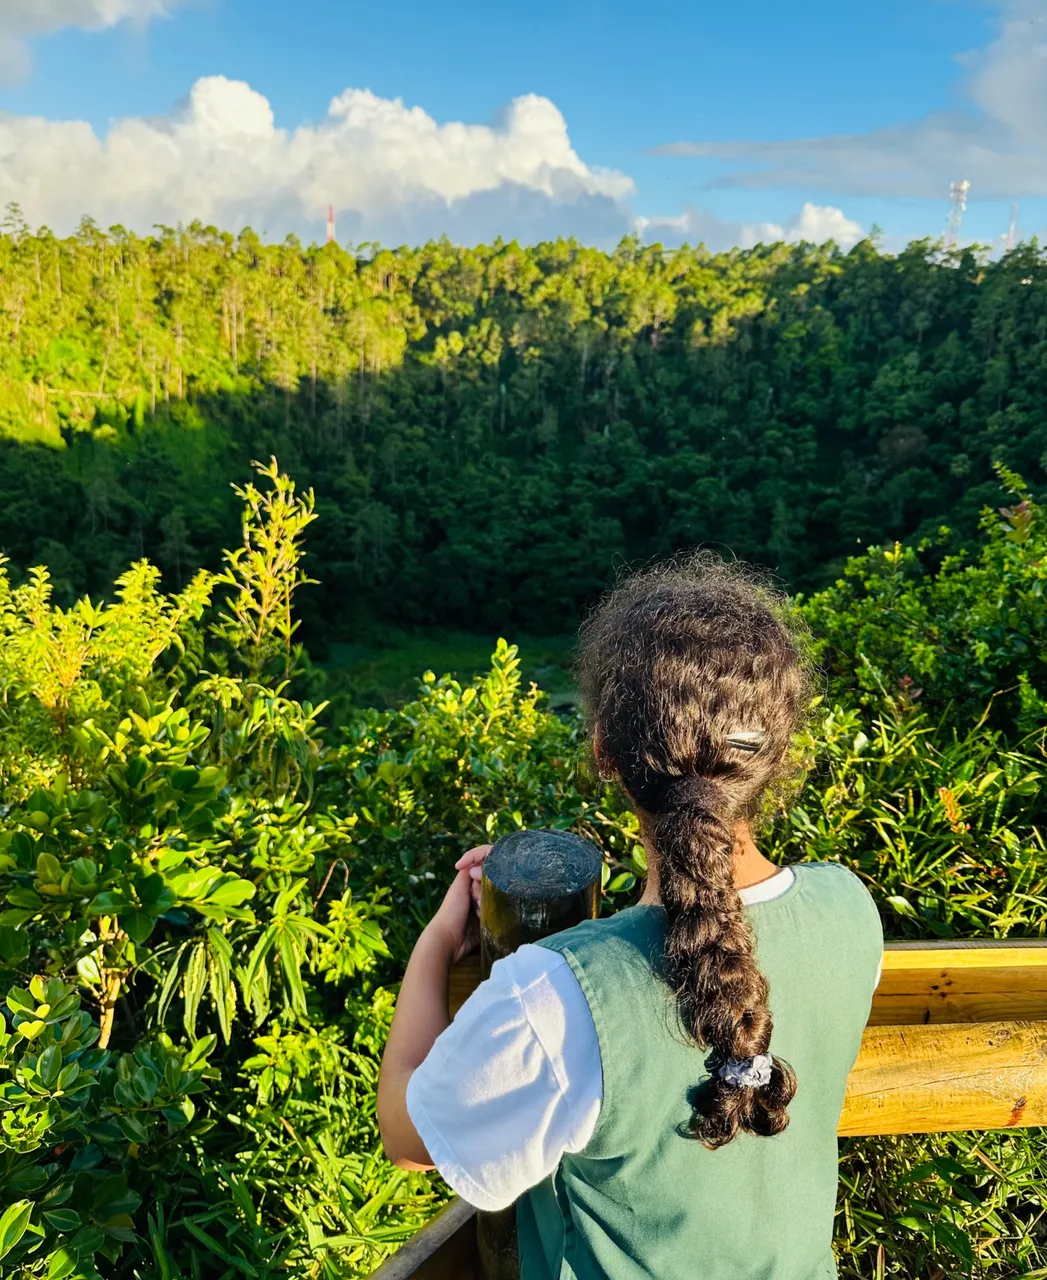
pixel 682 120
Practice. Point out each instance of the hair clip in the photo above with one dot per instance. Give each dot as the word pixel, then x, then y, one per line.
pixel 746 740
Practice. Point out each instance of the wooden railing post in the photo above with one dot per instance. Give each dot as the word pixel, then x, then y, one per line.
pixel 535 883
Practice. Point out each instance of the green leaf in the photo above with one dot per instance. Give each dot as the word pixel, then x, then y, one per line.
pixel 955 1241
pixel 13 1224
pixel 132 1129
pixel 214 1247
pixel 85 870
pixel 63 1220
pixel 48 869
pixel 121 1227
pixel 290 964
pixel 89 1157
pixel 154 893
pixel 68 1004
pixel 197 1055
pixel 145 1083
pixel 138 925
pixel 67 1077
pixel 624 881
pixel 63 1262
pixel 88 1240
pixel 48 1065
pixel 19 999
pixel 123 1092
pixel 193 986
pixel 15 917
pixel 28 899
pixel 231 892
pixel 31 1029
pixel 114 1197
pixel 108 904
pixel 137 768
pixel 21 847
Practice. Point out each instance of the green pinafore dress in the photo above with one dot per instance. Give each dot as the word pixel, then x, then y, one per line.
pixel 644 1202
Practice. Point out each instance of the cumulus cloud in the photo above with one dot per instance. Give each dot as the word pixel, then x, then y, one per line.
pixel 813 224
pixel 390 171
pixel 997 139
pixel 20 20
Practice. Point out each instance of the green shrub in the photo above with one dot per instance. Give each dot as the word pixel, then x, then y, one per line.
pixel 956 636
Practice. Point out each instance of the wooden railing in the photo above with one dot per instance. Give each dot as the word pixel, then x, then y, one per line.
pixel 957 1039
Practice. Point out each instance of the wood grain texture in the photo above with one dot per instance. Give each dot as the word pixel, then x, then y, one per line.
pixel 973 982
pixel 957 1039
pixel 465 978
pixel 939 1078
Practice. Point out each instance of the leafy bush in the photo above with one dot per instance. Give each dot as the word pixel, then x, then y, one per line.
pixel 162 860
pixel 957 636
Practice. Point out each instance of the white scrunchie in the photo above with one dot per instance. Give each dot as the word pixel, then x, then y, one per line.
pixel 747 1073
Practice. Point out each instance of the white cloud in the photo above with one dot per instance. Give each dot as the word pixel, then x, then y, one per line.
pixel 998 140
pixel 20 20
pixel 391 171
pixel 820 222
pixel 814 224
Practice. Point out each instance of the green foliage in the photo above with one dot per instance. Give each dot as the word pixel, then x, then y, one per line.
pixel 954 638
pixel 941 824
pixel 488 428
pixel 74 1119
pixel 461 765
pixel 168 867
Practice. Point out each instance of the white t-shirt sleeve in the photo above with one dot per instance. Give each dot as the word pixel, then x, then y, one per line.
pixel 513 1083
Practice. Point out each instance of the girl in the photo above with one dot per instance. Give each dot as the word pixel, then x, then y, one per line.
pixel 659 1090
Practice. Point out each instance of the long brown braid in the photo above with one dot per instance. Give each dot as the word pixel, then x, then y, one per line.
pixel 675 660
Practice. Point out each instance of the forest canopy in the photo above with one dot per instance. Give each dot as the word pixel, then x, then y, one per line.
pixel 489 431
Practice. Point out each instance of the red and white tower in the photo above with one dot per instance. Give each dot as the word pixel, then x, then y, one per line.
pixel 330 224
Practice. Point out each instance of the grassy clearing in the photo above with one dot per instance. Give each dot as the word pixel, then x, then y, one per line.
pixel 385 671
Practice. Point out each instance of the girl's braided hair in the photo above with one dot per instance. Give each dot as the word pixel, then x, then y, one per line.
pixel 673 661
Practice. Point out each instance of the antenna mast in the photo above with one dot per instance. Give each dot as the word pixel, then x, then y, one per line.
pixel 957 207
pixel 330 224
pixel 1009 242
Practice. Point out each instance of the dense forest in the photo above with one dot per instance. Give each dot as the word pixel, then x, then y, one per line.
pixel 490 430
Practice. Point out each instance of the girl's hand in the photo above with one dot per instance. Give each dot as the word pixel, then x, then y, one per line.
pixel 457 922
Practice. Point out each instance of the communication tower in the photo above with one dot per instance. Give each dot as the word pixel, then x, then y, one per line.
pixel 1009 242
pixel 957 208
pixel 330 224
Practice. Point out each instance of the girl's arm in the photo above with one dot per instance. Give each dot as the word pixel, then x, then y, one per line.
pixel 421 1008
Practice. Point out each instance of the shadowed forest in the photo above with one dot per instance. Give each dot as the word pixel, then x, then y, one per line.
pixel 490 431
